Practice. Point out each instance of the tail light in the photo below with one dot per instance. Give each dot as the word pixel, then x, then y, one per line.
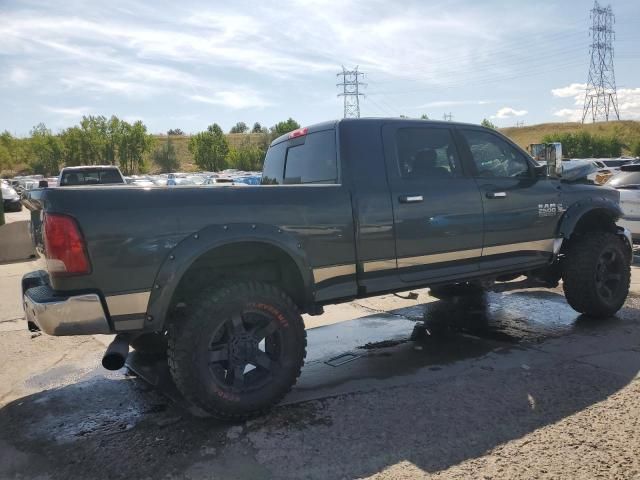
pixel 64 246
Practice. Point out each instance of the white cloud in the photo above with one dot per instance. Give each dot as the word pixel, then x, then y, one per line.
pixel 233 99
pixel 454 103
pixel 74 112
pixel 508 112
pixel 570 91
pixel 628 102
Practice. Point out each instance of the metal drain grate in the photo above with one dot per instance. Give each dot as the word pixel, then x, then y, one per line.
pixel 342 359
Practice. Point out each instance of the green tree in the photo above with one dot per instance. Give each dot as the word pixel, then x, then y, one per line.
pixel 239 127
pixel 424 116
pixel 175 131
pixel 257 128
pixel 635 148
pixel 210 149
pixel 247 156
pixel 281 128
pixel 488 123
pixel 133 144
pixel 165 157
pixel 46 151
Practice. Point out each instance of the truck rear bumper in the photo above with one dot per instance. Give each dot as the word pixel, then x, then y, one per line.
pixel 82 314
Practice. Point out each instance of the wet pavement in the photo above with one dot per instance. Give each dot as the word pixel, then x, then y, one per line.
pixel 408 391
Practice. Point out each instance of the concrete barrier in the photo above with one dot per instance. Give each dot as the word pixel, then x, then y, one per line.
pixel 15 242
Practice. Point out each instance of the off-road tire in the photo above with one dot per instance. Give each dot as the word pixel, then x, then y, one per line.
pixel 207 317
pixel 583 274
pixel 150 344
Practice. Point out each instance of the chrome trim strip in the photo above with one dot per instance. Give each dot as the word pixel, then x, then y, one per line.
pixel 536 245
pixel 78 315
pixel 326 273
pixel 547 245
pixel 377 265
pixel 128 304
pixel 132 324
pixel 438 258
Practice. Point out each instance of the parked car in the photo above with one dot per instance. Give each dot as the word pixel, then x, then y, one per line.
pixel 627 182
pixel 90 175
pixel 10 199
pixel 217 278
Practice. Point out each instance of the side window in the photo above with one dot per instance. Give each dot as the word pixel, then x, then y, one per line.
pixel 313 161
pixel 426 153
pixel 494 157
pixel 273 169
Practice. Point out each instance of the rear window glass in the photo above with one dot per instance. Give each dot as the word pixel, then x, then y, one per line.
pixel 311 159
pixel 90 177
pixel 314 161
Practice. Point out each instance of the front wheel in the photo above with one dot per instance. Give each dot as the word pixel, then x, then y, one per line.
pixel 238 350
pixel 596 274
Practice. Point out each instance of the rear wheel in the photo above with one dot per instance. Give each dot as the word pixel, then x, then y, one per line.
pixel 596 274
pixel 238 350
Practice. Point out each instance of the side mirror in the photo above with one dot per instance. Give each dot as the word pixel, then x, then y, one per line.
pixel 553 159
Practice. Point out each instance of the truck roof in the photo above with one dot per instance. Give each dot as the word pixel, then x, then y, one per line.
pixel 316 127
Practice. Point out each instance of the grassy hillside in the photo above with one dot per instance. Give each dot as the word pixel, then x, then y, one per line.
pixel 627 131
pixel 181 144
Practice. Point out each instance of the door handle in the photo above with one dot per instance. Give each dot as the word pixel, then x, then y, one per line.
pixel 410 198
pixel 496 194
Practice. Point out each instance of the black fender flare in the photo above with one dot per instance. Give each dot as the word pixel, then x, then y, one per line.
pixel 578 210
pixel 185 253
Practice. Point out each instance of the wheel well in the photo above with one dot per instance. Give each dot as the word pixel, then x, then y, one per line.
pixel 599 219
pixel 244 261
pixel 596 220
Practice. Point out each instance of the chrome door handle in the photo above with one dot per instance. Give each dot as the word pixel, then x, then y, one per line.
pixel 496 194
pixel 410 198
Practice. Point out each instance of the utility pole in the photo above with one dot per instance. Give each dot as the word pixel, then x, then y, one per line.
pixel 447 117
pixel 351 91
pixel 519 124
pixel 601 97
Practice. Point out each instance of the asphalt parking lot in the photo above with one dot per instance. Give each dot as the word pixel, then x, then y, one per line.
pixel 509 384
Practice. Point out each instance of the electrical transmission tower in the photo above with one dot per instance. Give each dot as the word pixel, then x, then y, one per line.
pixel 447 117
pixel 601 98
pixel 351 91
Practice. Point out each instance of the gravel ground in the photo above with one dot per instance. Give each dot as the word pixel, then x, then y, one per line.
pixel 515 387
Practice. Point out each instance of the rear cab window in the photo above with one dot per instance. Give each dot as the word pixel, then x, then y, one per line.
pixel 94 176
pixel 308 159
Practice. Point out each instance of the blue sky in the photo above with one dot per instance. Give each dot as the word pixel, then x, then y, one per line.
pixel 189 64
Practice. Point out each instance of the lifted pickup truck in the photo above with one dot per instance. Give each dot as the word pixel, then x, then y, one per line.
pixel 218 278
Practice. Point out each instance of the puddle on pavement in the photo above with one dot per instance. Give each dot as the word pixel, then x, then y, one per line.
pixel 391 345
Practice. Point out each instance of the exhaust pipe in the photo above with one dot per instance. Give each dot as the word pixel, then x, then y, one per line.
pixel 116 353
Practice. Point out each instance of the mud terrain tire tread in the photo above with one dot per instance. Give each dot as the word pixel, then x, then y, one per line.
pixel 578 273
pixel 185 332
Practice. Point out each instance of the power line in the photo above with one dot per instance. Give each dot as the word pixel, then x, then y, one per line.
pixel 351 91
pixel 601 95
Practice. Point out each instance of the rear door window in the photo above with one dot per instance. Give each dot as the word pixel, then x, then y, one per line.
pixel 425 153
pixel 313 161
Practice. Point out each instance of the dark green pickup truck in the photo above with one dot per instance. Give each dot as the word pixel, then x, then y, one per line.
pixel 217 277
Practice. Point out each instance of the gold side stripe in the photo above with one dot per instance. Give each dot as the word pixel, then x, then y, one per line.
pixel 378 265
pixel 326 273
pixel 535 246
pixel 128 304
pixel 547 245
pixel 438 258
